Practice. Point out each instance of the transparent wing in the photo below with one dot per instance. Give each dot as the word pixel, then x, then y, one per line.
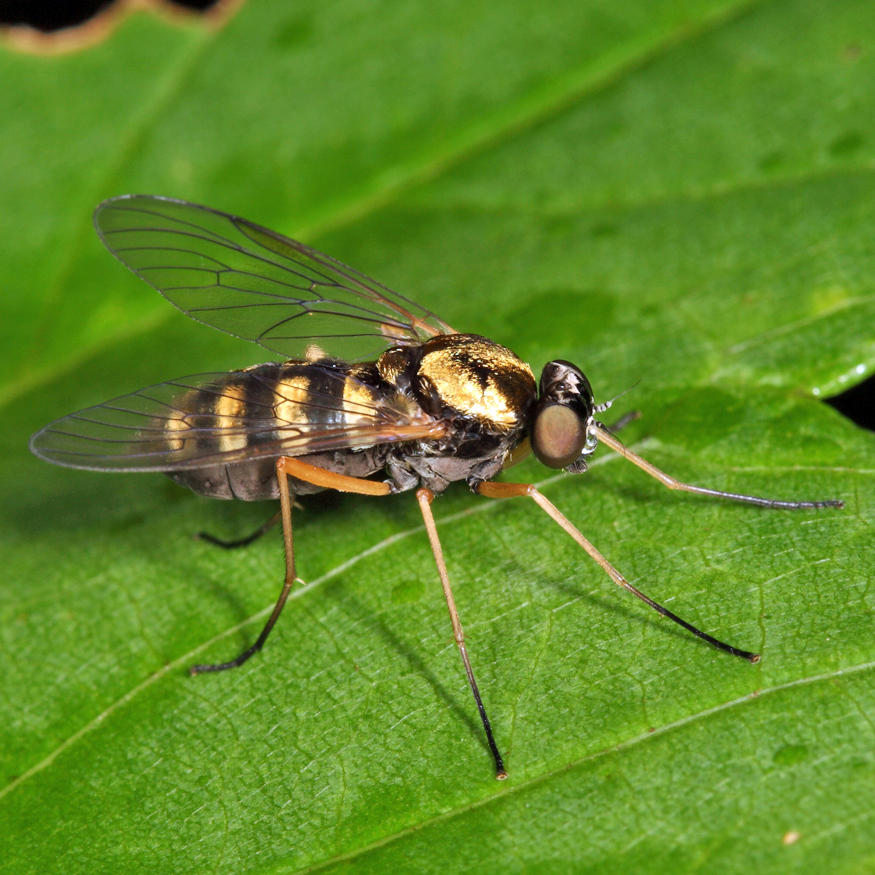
pixel 209 419
pixel 254 283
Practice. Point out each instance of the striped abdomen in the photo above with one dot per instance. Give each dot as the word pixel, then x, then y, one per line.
pixel 337 415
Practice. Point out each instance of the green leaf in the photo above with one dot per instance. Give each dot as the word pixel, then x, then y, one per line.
pixel 679 197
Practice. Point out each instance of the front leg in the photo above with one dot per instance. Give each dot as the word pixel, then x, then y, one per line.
pixel 528 490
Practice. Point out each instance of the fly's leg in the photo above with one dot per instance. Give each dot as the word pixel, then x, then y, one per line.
pixel 289 467
pixel 609 440
pixel 425 497
pixel 516 490
pixel 625 419
pixel 285 468
pixel 241 542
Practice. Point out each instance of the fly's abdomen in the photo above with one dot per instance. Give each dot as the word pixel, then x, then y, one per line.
pixel 232 414
pixel 272 410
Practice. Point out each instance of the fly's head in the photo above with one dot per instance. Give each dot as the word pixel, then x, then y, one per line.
pixel 562 419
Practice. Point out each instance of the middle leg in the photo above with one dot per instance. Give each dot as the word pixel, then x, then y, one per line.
pixel 425 498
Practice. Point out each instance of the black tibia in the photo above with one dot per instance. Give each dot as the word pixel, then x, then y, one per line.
pixel 240 542
pixel 286 516
pixel 287 468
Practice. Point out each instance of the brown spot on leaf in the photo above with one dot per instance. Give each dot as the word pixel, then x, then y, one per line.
pixel 51 28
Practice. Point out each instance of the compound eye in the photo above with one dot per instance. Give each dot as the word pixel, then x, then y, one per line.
pixel 558 435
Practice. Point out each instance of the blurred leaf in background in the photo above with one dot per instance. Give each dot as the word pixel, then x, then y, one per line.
pixel 677 196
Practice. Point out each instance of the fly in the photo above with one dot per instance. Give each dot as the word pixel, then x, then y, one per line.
pixel 374 395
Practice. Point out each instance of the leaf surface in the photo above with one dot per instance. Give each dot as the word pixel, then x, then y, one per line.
pixel 678 197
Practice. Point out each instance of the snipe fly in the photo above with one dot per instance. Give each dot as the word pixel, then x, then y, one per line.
pixel 374 395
